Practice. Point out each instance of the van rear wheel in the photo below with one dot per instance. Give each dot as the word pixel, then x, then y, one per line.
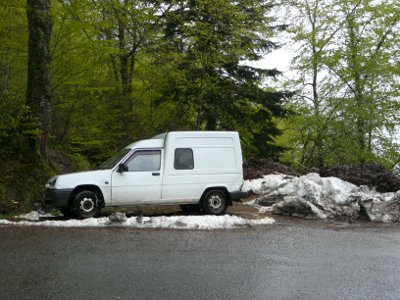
pixel 215 202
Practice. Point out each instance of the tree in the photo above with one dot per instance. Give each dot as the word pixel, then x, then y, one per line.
pixel 347 83
pixel 12 47
pixel 38 93
pixel 214 87
pixel 370 37
pixel 98 49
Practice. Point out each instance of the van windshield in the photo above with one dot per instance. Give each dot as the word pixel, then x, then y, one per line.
pixel 111 162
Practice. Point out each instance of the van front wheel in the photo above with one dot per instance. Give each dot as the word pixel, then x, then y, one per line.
pixel 85 205
pixel 215 202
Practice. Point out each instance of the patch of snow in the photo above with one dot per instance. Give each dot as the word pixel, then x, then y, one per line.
pixel 173 222
pixel 386 218
pixel 34 216
pixel 260 208
pixel 311 187
pixel 322 197
pixel 263 185
pixel 253 185
pixel 299 207
pixel 264 209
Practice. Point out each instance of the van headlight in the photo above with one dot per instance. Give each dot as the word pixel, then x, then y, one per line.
pixel 52 181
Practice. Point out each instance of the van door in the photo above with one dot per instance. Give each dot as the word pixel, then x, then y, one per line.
pixel 142 183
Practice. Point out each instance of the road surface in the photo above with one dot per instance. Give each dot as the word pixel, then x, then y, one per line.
pixel 288 260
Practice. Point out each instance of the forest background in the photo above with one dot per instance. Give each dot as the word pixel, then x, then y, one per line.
pixel 80 79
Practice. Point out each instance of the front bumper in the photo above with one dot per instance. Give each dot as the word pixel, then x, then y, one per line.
pixel 236 196
pixel 57 198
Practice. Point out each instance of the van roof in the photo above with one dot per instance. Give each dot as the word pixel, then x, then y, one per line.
pixel 161 136
pixel 158 140
pixel 195 134
pixel 152 143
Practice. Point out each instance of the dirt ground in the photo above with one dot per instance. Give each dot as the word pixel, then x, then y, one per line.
pixel 237 209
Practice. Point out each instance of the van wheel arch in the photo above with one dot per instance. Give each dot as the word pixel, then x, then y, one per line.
pixel 90 188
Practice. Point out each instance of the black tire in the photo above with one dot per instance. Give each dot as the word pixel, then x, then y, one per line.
pixel 86 205
pixel 215 202
pixel 66 212
pixel 191 208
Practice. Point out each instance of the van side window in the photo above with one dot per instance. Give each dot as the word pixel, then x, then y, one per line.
pixel 145 161
pixel 183 159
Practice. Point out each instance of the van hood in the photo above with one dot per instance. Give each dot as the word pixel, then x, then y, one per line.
pixel 71 180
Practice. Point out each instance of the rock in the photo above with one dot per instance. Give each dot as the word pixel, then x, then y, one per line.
pixel 269 200
pixel 139 219
pixel 64 163
pixel 348 210
pixel 380 211
pixel 297 206
pixel 118 217
pixel 38 206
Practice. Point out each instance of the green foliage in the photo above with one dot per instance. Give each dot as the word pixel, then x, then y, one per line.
pixel 22 181
pixel 17 128
pixel 348 90
pixel 127 70
pixel 13 47
pixel 80 162
pixel 210 83
pixel 22 173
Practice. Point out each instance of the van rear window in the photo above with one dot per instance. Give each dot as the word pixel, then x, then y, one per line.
pixel 183 159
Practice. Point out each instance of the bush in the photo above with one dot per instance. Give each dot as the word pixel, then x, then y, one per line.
pixel 372 175
pixel 18 128
pixel 257 168
pixel 22 183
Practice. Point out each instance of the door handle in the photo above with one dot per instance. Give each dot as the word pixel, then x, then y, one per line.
pixel 155 173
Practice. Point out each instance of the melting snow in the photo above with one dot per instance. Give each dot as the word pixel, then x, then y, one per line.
pixel 260 208
pixel 322 197
pixel 310 186
pixel 34 216
pixel 174 222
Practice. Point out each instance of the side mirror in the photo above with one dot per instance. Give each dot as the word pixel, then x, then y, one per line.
pixel 122 168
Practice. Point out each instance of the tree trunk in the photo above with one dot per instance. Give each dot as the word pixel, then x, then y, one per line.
pixel 5 70
pixel 211 122
pixel 358 88
pixel 124 62
pixel 38 95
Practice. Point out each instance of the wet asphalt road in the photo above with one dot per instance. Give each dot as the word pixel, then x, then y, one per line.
pixel 300 260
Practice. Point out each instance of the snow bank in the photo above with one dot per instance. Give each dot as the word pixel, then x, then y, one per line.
pixel 174 222
pixel 311 187
pixel 312 196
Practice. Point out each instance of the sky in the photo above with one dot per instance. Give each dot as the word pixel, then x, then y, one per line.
pixel 279 59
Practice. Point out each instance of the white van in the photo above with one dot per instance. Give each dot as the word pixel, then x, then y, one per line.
pixel 196 169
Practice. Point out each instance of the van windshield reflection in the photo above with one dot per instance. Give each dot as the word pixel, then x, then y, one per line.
pixel 111 162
